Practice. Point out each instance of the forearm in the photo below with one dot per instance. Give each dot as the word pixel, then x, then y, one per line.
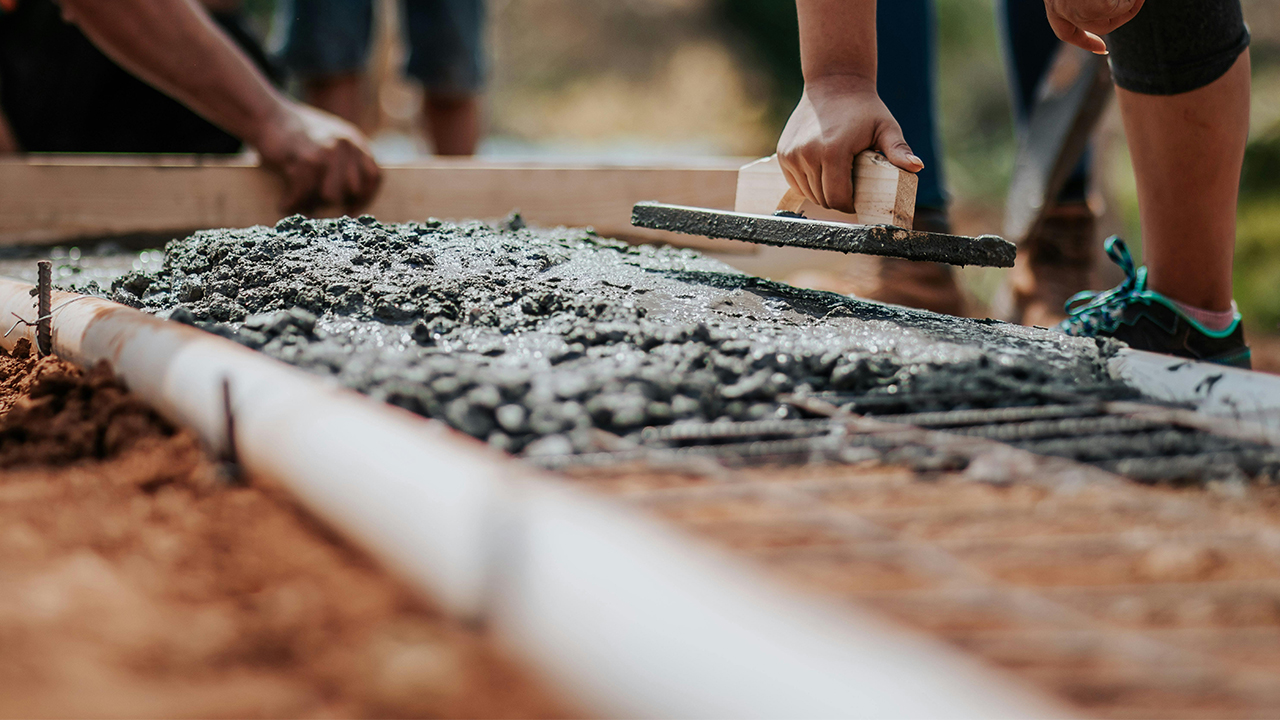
pixel 838 38
pixel 174 46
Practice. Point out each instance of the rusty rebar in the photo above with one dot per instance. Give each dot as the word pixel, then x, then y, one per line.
pixel 231 451
pixel 44 308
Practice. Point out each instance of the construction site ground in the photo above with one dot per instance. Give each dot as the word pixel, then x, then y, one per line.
pixel 140 579
pixel 1121 599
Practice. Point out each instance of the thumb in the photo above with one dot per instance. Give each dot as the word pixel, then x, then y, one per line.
pixel 1070 33
pixel 894 146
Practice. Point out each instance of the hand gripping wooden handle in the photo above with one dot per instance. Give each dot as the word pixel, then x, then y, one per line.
pixel 882 193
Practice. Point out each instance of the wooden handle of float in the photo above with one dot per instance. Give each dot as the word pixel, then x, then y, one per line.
pixel 883 193
pixel 791 202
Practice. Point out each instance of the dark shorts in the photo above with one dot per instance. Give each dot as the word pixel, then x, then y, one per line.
pixel 1176 46
pixel 61 94
pixel 445 37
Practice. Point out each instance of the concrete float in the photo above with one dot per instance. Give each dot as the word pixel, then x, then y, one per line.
pixel 626 616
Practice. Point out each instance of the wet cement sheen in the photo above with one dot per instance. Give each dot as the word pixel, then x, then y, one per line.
pixel 535 339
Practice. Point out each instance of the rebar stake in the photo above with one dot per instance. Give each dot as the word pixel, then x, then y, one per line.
pixel 44 308
pixel 231 453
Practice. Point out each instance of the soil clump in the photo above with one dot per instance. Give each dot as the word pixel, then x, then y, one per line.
pixel 536 340
pixel 135 581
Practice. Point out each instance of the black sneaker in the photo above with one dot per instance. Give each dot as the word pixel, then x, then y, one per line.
pixel 1147 320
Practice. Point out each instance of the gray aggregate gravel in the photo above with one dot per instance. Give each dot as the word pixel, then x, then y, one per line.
pixel 537 340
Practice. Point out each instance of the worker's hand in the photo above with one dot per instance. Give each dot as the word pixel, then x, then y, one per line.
pixel 325 160
pixel 1083 22
pixel 837 118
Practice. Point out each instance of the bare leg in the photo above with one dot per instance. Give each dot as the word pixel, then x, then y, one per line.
pixel 8 143
pixel 339 94
pixel 1187 153
pixel 452 122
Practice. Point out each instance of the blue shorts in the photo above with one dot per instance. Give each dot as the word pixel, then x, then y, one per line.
pixel 445 38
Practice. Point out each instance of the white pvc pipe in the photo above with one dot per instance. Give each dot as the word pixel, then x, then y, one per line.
pixel 1213 390
pixel 624 614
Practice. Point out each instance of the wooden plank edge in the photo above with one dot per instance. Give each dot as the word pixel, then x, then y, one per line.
pixel 250 191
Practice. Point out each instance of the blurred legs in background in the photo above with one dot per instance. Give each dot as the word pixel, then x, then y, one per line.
pixel 1058 260
pixel 906 35
pixel 328 47
pixel 446 54
pixel 340 93
pixel 452 121
pixel 905 32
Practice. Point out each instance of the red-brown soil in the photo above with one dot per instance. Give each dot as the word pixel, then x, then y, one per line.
pixel 1266 352
pixel 1120 599
pixel 136 581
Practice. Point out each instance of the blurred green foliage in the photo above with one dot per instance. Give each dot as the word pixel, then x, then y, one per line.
pixel 973 94
pixel 261 15
pixel 771 38
pixel 1260 180
pixel 1257 266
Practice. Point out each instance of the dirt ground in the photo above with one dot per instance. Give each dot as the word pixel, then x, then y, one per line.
pixel 137 581
pixel 1266 353
pixel 1120 599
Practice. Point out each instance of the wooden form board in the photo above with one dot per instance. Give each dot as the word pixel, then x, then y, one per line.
pixel 883 194
pixel 57 199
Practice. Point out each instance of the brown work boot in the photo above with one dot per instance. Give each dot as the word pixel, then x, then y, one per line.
pixel 925 285
pixel 1053 264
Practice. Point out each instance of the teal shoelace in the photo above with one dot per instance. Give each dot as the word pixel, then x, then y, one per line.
pixel 1090 313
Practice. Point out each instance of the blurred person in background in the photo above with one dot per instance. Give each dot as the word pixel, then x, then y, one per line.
pixel 328 43
pixel 167 76
pixel 1182 72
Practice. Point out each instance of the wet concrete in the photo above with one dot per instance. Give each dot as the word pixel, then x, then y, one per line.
pixel 536 340
pixel 785 231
